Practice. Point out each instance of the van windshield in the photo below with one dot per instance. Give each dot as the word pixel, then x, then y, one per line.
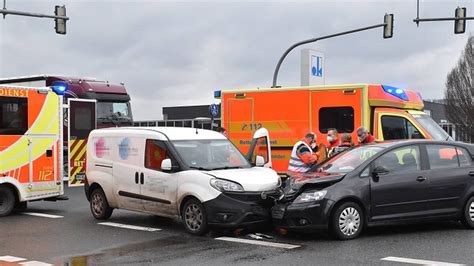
pixel 210 154
pixel 436 132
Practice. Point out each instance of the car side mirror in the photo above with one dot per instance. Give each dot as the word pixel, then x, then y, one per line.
pixel 166 165
pixel 379 170
pixel 259 161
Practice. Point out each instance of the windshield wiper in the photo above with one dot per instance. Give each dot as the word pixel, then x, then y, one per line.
pixel 200 168
pixel 227 167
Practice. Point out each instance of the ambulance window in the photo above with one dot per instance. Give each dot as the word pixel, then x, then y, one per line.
pixel 397 127
pixel 13 115
pixel 340 118
pixel 155 153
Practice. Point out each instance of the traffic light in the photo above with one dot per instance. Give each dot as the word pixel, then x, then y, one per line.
pixel 460 24
pixel 60 23
pixel 388 28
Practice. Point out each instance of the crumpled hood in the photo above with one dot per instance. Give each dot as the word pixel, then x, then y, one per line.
pixel 253 179
pixel 297 182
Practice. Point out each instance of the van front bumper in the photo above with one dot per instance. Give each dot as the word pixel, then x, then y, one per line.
pixel 232 210
pixel 302 217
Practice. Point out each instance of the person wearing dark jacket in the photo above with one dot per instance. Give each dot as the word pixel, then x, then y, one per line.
pixel 346 143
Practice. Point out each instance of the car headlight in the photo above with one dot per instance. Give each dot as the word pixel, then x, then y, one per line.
pixel 310 196
pixel 226 185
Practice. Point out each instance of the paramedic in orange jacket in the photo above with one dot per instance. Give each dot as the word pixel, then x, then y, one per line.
pixel 333 140
pixel 302 155
pixel 364 137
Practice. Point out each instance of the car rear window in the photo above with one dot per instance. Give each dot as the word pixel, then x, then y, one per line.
pixel 442 156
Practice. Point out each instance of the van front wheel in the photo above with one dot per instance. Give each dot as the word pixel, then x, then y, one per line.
pixel 194 217
pixel 99 205
pixel 7 201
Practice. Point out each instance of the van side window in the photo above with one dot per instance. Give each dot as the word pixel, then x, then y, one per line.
pixel 442 156
pixel 13 115
pixel 340 118
pixel 155 153
pixel 396 127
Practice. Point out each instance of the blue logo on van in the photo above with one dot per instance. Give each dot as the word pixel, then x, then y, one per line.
pixel 124 148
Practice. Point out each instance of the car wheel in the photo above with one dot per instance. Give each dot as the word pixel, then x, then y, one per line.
pixel 21 206
pixel 7 201
pixel 468 214
pixel 347 221
pixel 99 205
pixel 194 217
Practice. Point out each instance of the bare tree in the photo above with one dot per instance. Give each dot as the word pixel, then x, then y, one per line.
pixel 460 92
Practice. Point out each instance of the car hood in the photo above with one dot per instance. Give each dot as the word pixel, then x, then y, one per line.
pixel 301 182
pixel 253 179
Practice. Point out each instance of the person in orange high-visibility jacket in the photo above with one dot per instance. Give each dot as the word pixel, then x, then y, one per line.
pixel 302 155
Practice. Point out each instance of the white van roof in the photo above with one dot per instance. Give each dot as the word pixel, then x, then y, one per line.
pixel 173 133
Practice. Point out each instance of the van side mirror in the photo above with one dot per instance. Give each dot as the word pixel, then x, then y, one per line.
pixel 259 161
pixel 166 165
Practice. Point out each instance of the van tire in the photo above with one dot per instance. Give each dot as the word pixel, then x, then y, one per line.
pixel 194 217
pixel 347 221
pixel 468 214
pixel 21 206
pixel 7 201
pixel 99 205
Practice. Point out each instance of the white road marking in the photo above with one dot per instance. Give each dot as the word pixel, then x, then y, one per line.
pixel 11 259
pixel 35 263
pixel 134 227
pixel 421 262
pixel 43 215
pixel 257 242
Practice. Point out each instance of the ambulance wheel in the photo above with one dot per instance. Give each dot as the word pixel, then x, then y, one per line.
pixel 7 201
pixel 468 214
pixel 99 205
pixel 21 206
pixel 194 217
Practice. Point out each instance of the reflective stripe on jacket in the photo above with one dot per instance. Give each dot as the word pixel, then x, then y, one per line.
pixel 296 163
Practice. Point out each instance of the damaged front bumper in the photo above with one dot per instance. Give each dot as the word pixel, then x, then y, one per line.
pixel 303 216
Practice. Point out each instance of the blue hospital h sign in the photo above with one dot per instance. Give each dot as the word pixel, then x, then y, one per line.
pixel 317 66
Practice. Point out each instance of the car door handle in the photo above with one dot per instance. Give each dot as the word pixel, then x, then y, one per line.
pixel 471 173
pixel 136 177
pixel 142 178
pixel 420 179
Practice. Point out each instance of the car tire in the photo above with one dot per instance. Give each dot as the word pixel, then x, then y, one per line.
pixel 21 206
pixel 468 214
pixel 7 201
pixel 194 217
pixel 99 205
pixel 347 221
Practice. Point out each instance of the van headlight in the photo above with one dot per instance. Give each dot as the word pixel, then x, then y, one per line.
pixel 226 185
pixel 311 196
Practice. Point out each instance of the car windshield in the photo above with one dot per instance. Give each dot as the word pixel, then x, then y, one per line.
pixel 349 160
pixel 436 132
pixel 113 111
pixel 210 154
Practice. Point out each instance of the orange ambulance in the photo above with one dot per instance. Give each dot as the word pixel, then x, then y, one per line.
pixel 289 113
pixel 30 146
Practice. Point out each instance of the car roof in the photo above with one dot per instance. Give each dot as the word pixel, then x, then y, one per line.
pixel 173 133
pixel 396 143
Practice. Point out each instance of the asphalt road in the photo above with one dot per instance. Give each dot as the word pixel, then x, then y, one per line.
pixel 76 238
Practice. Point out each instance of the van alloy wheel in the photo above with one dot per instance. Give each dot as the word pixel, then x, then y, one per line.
pixel 194 217
pixel 349 221
pixel 99 205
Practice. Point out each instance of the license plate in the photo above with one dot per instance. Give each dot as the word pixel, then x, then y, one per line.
pixel 278 212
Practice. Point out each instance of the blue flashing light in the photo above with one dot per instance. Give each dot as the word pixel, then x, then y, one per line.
pixel 217 94
pixel 59 87
pixel 399 93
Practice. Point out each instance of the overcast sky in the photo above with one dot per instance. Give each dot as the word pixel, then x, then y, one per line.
pixel 171 53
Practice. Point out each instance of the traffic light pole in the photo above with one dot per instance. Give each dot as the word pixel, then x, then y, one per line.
pixel 277 69
pixel 5 12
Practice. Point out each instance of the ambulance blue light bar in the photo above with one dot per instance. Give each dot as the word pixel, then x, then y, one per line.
pixel 59 87
pixel 217 94
pixel 397 92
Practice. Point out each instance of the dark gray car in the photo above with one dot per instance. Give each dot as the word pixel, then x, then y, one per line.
pixel 379 183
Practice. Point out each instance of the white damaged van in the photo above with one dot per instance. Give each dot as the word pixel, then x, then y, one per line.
pixel 195 174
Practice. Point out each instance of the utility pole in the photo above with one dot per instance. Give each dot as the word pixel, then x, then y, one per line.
pixel 59 16
pixel 387 33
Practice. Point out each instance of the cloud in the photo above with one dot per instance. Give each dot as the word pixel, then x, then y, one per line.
pixel 177 53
